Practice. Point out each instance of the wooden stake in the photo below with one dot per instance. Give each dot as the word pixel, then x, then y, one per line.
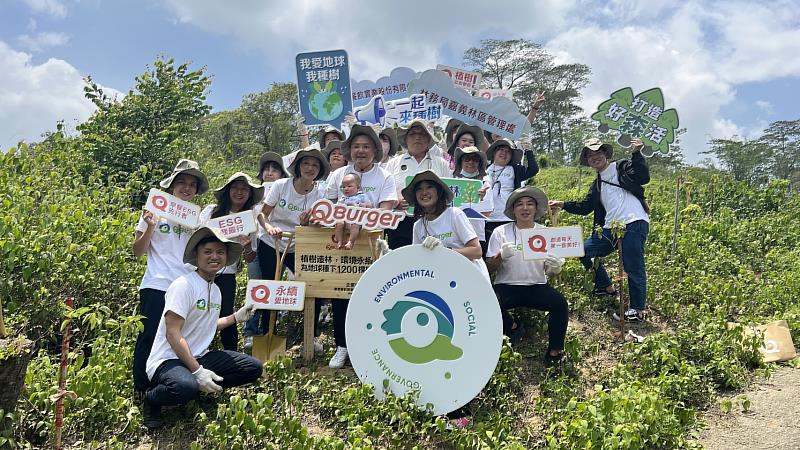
pixel 621 290
pixel 62 378
pixel 677 208
pixel 3 331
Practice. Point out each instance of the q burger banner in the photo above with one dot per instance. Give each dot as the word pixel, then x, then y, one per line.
pixel 565 242
pixel 172 208
pixel 325 212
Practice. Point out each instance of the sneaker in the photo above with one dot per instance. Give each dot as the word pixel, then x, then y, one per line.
pixel 631 315
pixel 248 342
pixel 600 292
pixel 553 361
pixel 151 415
pixel 339 358
pixel 318 349
pixel 515 335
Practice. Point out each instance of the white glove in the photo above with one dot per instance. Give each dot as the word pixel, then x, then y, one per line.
pixel 552 264
pixel 350 119
pixel 244 313
pixel 431 242
pixel 206 379
pixel 525 141
pixel 382 246
pixel 508 250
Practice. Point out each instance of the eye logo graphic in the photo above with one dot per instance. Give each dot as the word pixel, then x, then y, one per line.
pixel 420 328
pixel 537 243
pixel 160 203
pixel 260 294
pixel 201 304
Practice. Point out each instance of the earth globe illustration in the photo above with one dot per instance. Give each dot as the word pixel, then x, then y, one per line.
pixel 325 103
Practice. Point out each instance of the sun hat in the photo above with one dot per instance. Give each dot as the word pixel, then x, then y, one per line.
pixel 425 175
pixel 333 145
pixel 190 255
pixel 527 191
pixel 258 190
pixel 270 157
pixel 363 130
pixel 595 145
pixel 471 150
pixel 516 154
pixel 326 130
pixel 394 144
pixel 403 133
pixel 190 167
pixel 452 124
pixel 477 134
pixel 324 167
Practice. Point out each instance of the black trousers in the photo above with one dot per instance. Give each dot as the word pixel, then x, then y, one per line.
pixel 537 296
pixel 229 336
pixel 151 306
pixel 403 235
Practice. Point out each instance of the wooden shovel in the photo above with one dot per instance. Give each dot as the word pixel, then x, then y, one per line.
pixel 271 346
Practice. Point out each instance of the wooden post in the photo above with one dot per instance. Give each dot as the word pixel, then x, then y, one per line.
pixel 621 290
pixel 309 318
pixel 677 208
pixel 3 331
pixel 62 378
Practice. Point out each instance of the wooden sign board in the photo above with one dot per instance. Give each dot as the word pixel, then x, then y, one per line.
pixel 327 271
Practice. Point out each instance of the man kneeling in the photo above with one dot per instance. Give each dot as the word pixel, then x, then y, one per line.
pixel 180 364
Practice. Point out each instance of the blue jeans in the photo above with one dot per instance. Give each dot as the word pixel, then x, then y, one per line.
pixel 632 259
pixel 173 384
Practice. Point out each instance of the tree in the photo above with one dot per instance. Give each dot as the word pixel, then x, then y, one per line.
pixel 528 69
pixel 744 160
pixel 783 139
pixel 272 117
pixel 152 125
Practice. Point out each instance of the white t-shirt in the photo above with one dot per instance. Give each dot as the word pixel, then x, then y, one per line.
pixel 406 165
pixel 287 205
pixel 164 254
pixel 196 300
pixel 501 185
pixel 484 206
pixel 377 184
pixel 453 229
pixel 205 216
pixel 514 270
pixel 619 203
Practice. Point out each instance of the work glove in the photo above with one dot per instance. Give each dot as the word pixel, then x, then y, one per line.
pixel 382 247
pixel 206 379
pixel 431 242
pixel 552 264
pixel 350 119
pixel 525 142
pixel 508 250
pixel 244 313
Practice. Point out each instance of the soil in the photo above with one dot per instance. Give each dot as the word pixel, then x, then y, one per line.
pixel 772 421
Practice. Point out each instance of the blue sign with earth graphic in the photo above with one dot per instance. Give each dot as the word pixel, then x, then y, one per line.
pixel 323 87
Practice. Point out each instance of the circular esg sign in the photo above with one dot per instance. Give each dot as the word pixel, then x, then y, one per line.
pixel 428 320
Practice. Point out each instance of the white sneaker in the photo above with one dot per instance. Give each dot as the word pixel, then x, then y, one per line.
pixel 318 350
pixel 339 358
pixel 248 342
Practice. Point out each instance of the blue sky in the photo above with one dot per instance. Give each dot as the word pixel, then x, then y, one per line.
pixel 729 67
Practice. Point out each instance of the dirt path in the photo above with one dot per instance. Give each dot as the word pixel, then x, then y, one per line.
pixel 773 421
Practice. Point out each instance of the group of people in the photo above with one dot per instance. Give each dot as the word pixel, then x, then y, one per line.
pixel 190 280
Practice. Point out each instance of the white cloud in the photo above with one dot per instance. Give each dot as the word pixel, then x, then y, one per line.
pixel 55 8
pixel 765 106
pixel 377 35
pixel 39 41
pixel 34 97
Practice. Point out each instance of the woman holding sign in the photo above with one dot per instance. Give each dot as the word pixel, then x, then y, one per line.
pixel 506 173
pixel 471 164
pixel 438 224
pixel 239 194
pixel 287 200
pixel 163 242
pixel 523 283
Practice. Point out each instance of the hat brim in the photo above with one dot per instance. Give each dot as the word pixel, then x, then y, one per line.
pixel 234 249
pixel 363 130
pixel 271 157
pixel 403 133
pixel 324 166
pixel 202 186
pixel 452 124
pixel 460 154
pixel 527 191
pixel 477 134
pixel 426 175
pixel 326 130
pixel 516 154
pixel 257 190
pixel 394 144
pixel 335 145
pixel 605 148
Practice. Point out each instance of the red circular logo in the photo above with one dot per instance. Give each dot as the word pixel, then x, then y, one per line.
pixel 537 243
pixel 260 294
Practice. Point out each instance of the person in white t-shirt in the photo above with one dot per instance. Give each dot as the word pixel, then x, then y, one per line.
pixel 467 136
pixel 506 173
pixel 163 242
pixel 238 194
pixel 439 224
pixel 180 365
pixel 617 195
pixel 364 151
pixel 522 283
pixel 288 200
pixel 471 164
pixel 418 140
pixel 333 153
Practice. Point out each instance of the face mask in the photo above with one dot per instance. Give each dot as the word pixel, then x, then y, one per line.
pixel 466 174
